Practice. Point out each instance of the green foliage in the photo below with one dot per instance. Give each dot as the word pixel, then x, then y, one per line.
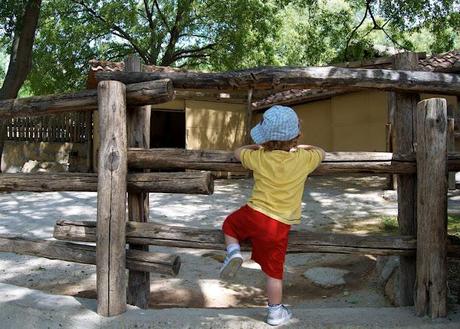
pixel 224 35
pixel 390 225
pixel 310 34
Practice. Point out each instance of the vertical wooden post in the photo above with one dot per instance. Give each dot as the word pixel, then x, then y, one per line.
pixel 404 132
pixel 89 140
pixel 247 137
pixel 138 126
pixel 111 199
pixel 451 148
pixel 431 290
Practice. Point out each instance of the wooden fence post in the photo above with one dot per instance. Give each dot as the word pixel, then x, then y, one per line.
pixel 451 148
pixel 431 288
pixel 404 133
pixel 138 127
pixel 111 199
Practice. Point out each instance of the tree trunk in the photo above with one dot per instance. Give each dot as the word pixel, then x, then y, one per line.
pixel 20 57
pixel 21 51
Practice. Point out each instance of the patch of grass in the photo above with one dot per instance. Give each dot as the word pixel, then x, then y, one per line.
pixel 453 225
pixel 390 224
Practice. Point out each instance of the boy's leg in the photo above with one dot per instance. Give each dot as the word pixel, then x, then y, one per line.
pixel 274 290
pixel 233 259
pixel 277 312
pixel 230 240
pixel 232 228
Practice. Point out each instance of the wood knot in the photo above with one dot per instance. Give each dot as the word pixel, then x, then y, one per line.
pixel 113 161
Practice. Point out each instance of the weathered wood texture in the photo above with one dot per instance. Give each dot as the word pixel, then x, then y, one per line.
pixel 451 148
pixel 111 199
pixel 190 183
pixel 299 242
pixel 161 235
pixel 404 130
pixel 431 289
pixel 138 128
pixel 282 78
pixel 150 92
pixel 338 162
pixel 85 254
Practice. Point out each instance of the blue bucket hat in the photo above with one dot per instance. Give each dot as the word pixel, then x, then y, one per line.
pixel 279 123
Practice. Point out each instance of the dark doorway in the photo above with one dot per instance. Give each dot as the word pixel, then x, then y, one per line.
pixel 167 129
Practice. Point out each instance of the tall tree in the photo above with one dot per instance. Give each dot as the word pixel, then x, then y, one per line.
pixel 209 34
pixel 227 35
pixel 20 19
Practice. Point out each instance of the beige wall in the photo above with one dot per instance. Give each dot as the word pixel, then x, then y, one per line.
pixel 315 119
pixel 350 122
pixel 358 121
pixel 214 126
pixel 178 104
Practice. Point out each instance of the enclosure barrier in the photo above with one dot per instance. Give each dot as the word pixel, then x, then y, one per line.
pixel 111 231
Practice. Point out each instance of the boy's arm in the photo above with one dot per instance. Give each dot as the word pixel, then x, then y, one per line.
pixel 311 147
pixel 237 152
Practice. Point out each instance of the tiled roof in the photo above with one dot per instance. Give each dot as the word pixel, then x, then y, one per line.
pixel 446 62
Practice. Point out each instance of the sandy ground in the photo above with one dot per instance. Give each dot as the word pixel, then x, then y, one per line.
pixel 330 204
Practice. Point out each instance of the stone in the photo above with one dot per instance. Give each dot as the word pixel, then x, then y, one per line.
pixel 326 277
pixel 30 166
pixel 385 266
pixel 391 288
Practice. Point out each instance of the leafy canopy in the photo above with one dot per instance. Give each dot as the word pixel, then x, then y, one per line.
pixel 224 35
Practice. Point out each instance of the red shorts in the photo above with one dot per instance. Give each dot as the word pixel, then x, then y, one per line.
pixel 268 237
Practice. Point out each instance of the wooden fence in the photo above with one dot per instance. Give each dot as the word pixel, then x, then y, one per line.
pixel 73 127
pixel 123 126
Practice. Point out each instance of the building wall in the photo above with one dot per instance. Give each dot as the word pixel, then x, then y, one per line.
pixel 350 122
pixel 214 126
pixel 359 121
pixel 315 120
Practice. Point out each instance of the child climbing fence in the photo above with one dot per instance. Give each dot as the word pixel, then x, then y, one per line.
pixel 111 232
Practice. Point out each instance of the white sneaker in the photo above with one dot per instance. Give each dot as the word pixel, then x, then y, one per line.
pixel 232 264
pixel 278 315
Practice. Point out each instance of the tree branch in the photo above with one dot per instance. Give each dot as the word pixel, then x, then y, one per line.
pixel 149 15
pixel 356 29
pixel 162 16
pixel 115 28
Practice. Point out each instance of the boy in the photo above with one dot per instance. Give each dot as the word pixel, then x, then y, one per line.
pixel 280 168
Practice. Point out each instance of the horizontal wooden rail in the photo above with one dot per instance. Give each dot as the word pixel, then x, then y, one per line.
pixel 339 162
pixel 334 163
pixel 299 242
pixel 79 253
pixel 282 78
pixel 150 92
pixel 190 183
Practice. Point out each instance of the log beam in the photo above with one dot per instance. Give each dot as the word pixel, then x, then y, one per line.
pixel 138 127
pixel 85 254
pixel 404 131
pixel 338 162
pixel 431 283
pixel 150 92
pixel 111 199
pixel 190 183
pixel 283 78
pixel 299 242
